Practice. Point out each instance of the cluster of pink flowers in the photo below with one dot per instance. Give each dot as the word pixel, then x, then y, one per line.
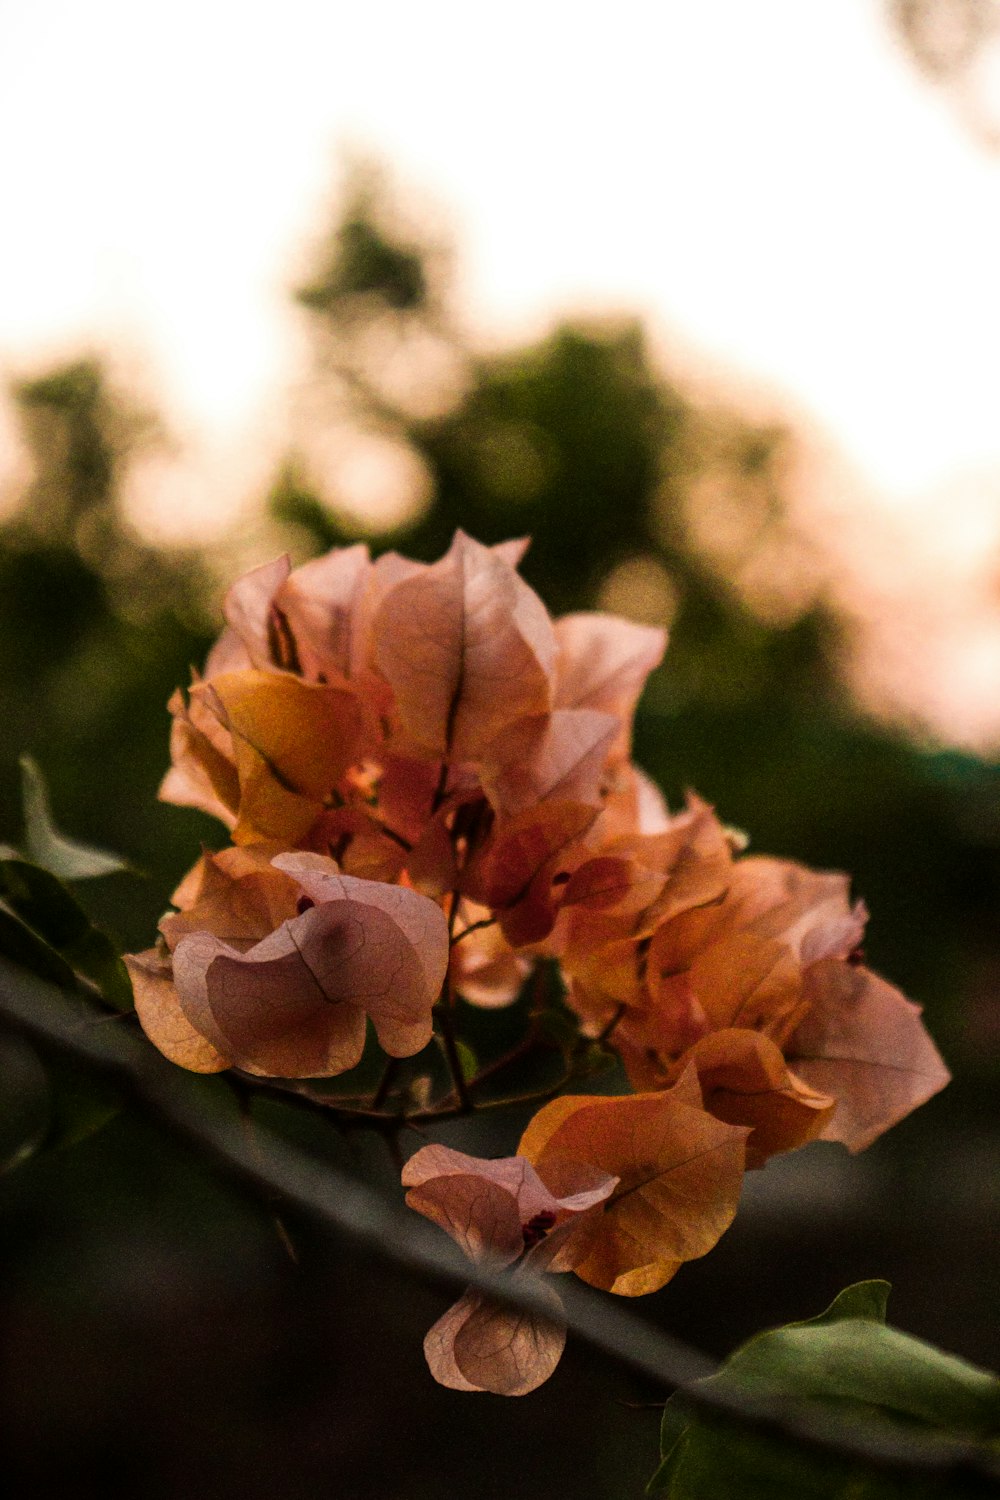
pixel 428 785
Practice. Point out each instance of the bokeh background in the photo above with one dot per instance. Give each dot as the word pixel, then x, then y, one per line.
pixel 702 298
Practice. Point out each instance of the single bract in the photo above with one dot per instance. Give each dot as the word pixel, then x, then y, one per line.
pixel 429 790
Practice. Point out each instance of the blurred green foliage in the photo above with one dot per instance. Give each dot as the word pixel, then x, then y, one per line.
pixel 638 497
pixel 623 478
pixel 154 1331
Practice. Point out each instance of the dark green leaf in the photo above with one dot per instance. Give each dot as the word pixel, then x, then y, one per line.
pixel 46 846
pixel 716 1459
pixel 845 1365
pixel 43 927
pixel 26 948
pixel 849 1354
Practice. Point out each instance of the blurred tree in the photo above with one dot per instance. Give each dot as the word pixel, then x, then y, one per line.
pixel 154 1338
pixel 639 498
pixel 96 628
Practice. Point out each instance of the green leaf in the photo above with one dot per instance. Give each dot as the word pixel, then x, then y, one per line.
pixel 849 1354
pixel 43 927
pixel 846 1364
pixel 52 850
pixel 716 1459
pixel 24 947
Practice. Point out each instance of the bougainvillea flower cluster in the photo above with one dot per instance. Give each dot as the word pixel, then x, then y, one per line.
pixel 429 790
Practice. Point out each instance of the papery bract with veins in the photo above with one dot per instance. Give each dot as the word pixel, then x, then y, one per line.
pixel 429 790
pixel 502 1212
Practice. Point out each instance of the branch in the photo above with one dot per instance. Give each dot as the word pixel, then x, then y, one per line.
pixel 199 1111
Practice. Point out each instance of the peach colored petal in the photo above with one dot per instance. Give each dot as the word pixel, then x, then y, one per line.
pixel 650 1039
pixel 865 1044
pixel 293 742
pixel 659 877
pixel 507 1352
pixel 439 1344
pixel 294 1004
pixel 679 1170
pixel 603 662
pixel 512 551
pixel 238 900
pixel 273 1008
pixel 520 848
pixel 321 602
pixel 431 863
pixel 202 773
pixel 480 1215
pixel 480 1346
pixel 467 647
pixel 418 941
pixel 741 980
pixel 558 756
pixel 808 910
pixel 485 969
pixel 607 978
pixel 247 609
pixel 745 1081
pixel 163 1020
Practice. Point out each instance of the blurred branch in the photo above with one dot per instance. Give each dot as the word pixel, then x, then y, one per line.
pixel 201 1113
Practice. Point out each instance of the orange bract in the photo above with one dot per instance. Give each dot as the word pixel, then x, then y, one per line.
pixel 428 787
pixel 679 1174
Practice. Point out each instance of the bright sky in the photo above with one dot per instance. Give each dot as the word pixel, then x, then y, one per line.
pixel 772 182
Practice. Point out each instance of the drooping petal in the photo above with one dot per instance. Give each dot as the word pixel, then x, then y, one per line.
pixel 481 1346
pixel 439 1344
pixel 294 1004
pixel 508 1352
pixel 865 1044
pixel 162 1019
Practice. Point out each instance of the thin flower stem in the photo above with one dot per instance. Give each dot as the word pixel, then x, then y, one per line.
pixel 385 1083
pixel 447 1033
pixel 453 901
pixel 473 927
